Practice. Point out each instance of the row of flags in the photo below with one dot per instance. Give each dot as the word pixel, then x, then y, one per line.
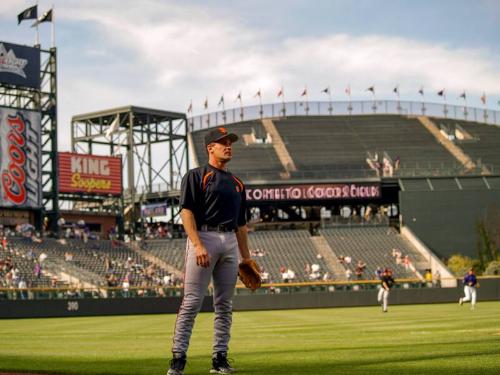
pixel 327 90
pixel 31 13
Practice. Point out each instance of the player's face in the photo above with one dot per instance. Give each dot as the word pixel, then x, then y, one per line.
pixel 221 150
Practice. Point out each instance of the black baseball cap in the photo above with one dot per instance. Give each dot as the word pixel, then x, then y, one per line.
pixel 218 134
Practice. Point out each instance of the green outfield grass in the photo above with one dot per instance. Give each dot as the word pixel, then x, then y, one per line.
pixel 420 339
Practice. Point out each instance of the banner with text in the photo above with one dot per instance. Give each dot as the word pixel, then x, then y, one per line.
pixel 19 65
pixel 313 192
pixel 155 209
pixel 20 158
pixel 91 174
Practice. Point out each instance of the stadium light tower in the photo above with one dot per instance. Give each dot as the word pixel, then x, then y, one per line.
pixel 152 144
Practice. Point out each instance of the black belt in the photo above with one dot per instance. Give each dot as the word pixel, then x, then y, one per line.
pixel 216 228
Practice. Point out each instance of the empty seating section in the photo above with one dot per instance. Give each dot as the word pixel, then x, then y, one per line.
pixel 291 249
pixel 172 251
pixel 339 144
pixel 374 246
pixel 248 160
pixel 484 143
pixel 322 142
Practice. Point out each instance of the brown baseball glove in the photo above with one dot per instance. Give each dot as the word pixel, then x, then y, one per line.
pixel 250 274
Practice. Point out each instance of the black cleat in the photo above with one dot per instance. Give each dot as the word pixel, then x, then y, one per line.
pixel 177 364
pixel 220 364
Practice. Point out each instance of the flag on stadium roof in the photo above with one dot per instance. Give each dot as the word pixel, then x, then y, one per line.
pixel 421 91
pixel 483 98
pixel 239 96
pixel 46 17
pixel 257 94
pixel 205 105
pixel 463 96
pixel 441 93
pixel 304 93
pixel 28 14
pixel 327 90
pixel 396 90
pixel 190 108
pixel 372 89
pixel 280 93
pixel 114 126
pixel 348 90
pixel 221 100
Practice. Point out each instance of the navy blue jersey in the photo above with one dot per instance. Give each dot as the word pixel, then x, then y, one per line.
pixel 388 280
pixel 215 197
pixel 470 280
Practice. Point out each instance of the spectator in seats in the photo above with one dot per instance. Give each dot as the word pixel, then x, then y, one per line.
pixel 291 275
pixel 360 269
pixel 167 279
pixel 307 269
pixel 406 262
pixel 315 275
pixel 4 243
pixel 437 279
pixel 428 278
pixel 319 256
pixel 341 259
pixel 348 274
pixel 326 276
pixel 378 273
pixel 126 288
pixel 53 282
pixel 264 276
pixel 347 260
pixel 42 257
pixel 37 271
pixel 22 286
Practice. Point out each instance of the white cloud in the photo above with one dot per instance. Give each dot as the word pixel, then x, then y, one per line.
pixel 165 54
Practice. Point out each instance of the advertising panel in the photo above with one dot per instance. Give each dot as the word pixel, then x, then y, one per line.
pixel 20 158
pixel 156 209
pixel 19 65
pixel 313 192
pixel 91 174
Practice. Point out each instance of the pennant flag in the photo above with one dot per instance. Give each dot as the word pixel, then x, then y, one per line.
pixel 421 91
pixel 239 96
pixel 46 17
pixel 304 93
pixel 205 105
pixel 348 90
pixel 396 90
pixel 371 88
pixel 28 14
pixel 326 91
pixel 190 108
pixel 221 101
pixel 483 98
pixel 441 93
pixel 258 94
pixel 463 96
pixel 113 127
pixel 280 93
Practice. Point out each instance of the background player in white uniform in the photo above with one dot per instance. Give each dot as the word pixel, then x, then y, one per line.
pixel 470 285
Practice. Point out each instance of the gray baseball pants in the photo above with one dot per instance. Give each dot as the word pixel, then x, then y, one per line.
pixel 223 252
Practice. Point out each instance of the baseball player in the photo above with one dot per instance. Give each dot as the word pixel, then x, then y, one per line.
pixel 470 285
pixel 387 282
pixel 213 213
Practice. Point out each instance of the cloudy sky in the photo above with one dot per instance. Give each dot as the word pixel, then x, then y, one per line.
pixel 163 54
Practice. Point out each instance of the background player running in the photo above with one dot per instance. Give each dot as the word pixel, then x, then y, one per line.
pixel 470 285
pixel 386 284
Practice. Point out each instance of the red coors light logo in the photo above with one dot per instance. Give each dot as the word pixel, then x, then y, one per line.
pixel 14 178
